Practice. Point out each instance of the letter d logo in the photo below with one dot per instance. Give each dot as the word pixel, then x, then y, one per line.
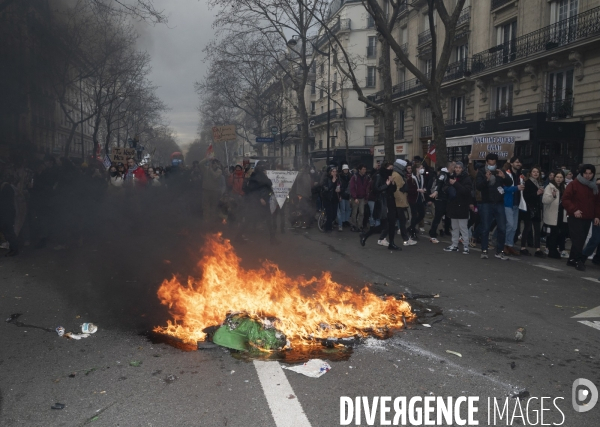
pixel 582 389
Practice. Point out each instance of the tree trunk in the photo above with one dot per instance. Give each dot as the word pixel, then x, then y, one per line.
pixel 304 121
pixel 70 139
pixel 439 131
pixel 388 108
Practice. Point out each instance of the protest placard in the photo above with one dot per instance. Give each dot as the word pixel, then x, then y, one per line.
pixel 282 184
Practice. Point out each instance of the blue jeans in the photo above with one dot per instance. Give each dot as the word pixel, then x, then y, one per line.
pixel 372 222
pixel 593 243
pixel 512 223
pixel 344 211
pixel 489 212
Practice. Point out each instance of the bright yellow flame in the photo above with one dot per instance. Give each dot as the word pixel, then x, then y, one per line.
pixel 302 305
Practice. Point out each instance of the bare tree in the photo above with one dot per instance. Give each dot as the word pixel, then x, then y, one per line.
pixel 434 80
pixel 286 28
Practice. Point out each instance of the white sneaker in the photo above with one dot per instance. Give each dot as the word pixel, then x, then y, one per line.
pixel 4 245
pixel 383 242
pixel 451 249
pixel 564 254
pixel 422 230
pixel 434 240
pixel 465 251
pixel 410 242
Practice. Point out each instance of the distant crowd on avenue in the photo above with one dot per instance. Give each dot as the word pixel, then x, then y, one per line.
pixel 502 210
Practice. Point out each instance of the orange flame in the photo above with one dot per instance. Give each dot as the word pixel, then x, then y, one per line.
pixel 315 307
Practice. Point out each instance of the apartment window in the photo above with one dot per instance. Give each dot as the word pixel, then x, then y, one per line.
pixel 506 36
pixel 457 109
pixel 462 52
pixel 313 107
pixel 503 100
pixel 370 21
pixel 560 85
pixel 427 65
pixel 313 88
pixel 372 47
pixel 399 124
pixel 334 83
pixel 369 135
pixel 321 93
pixel 371 76
pixel 401 76
pixel 322 69
pixel 322 109
pixel 563 9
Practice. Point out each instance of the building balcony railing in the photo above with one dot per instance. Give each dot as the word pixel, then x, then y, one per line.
pixel 322 118
pixel 369 140
pixel 499 3
pixel 465 16
pixel 497 114
pixel 567 31
pixel 558 109
pixel 399 134
pixel 424 37
pixel 455 121
pixel 371 51
pixel 340 25
pixel 426 131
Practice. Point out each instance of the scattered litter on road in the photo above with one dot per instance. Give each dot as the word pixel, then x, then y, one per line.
pixel 576 349
pixel 135 363
pixel 513 365
pixel 232 372
pixel 520 395
pixel 545 280
pixel 520 334
pixel 314 368
pixel 240 332
pixel 291 396
pixel 427 325
pixel 454 353
pixel 60 331
pixel 58 406
pixel 13 317
pixel 88 328
pixel 73 336
pixel 170 378
pixel 206 345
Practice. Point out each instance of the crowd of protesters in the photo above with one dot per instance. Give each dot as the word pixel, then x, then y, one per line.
pixel 501 209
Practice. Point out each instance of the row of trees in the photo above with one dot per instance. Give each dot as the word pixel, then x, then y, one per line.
pixel 84 53
pixel 261 41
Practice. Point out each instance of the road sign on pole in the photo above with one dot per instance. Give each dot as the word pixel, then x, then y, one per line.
pixel 265 140
pixel 274 130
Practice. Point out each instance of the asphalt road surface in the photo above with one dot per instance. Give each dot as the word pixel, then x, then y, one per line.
pixel 112 281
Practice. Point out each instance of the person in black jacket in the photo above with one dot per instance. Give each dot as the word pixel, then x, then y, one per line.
pixel 8 213
pixel 258 192
pixel 533 217
pixel 460 187
pixel 490 181
pixel 440 201
pixel 331 197
pixel 385 208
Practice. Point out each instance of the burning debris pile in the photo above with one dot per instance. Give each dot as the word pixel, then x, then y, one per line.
pixel 265 309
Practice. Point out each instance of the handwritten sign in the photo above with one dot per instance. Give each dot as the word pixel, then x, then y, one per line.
pixel 224 133
pixel 503 146
pixel 282 184
pixel 120 155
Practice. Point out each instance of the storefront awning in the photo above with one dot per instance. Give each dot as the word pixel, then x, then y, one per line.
pixel 496 137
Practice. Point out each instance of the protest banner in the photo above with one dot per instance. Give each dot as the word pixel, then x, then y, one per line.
pixel 282 184
pixel 224 133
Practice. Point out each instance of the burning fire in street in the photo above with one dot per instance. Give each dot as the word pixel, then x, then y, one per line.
pixel 305 309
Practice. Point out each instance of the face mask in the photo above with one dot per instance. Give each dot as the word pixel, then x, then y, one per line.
pixel 312 171
pixel 113 173
pixel 421 171
pixel 491 168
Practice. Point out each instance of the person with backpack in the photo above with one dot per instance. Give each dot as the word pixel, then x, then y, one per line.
pixel 401 199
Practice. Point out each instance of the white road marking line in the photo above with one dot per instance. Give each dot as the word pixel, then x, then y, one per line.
pixel 595 324
pixel 286 410
pixel 591 279
pixel 546 267
pixel 594 312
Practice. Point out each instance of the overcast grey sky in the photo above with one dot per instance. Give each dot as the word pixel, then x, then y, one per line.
pixel 177 55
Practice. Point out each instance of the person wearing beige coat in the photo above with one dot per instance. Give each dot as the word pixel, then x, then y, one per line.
pixel 401 197
pixel 555 215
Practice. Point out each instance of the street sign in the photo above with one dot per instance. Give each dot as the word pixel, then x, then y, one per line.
pixel 265 140
pixel 274 130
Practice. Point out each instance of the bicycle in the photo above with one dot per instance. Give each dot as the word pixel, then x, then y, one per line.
pixel 321 220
